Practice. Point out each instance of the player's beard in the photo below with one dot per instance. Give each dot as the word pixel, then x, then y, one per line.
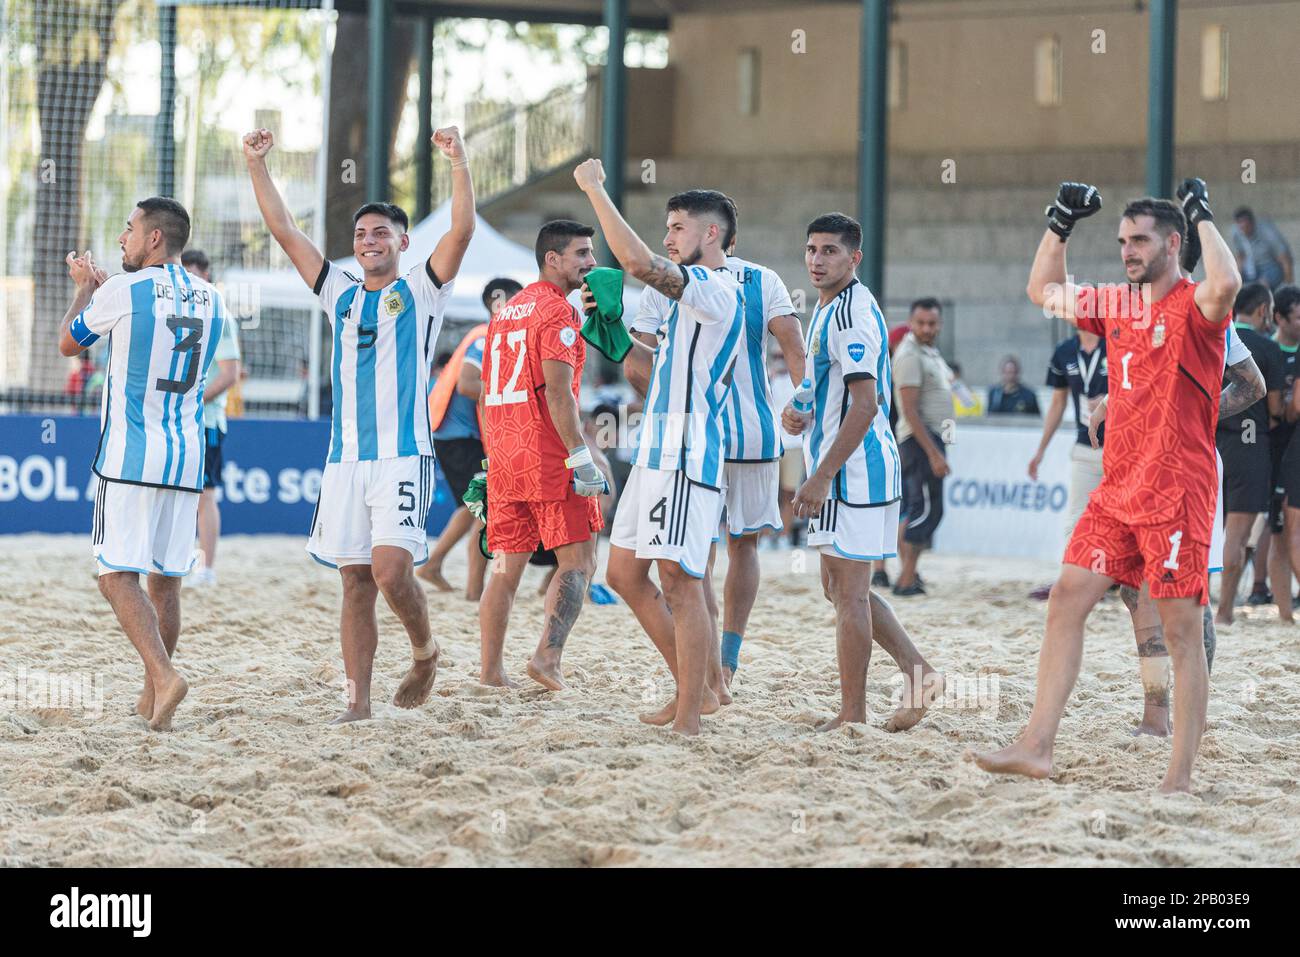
pixel 1153 270
pixel 128 266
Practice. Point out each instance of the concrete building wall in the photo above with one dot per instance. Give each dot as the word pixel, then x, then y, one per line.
pixel 968 79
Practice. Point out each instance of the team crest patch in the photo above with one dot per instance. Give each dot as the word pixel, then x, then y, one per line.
pixel 1158 335
pixel 393 303
pixel 568 335
pixel 856 351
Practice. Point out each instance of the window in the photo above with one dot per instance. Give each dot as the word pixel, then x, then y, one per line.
pixel 1214 62
pixel 747 65
pixel 897 82
pixel 1047 72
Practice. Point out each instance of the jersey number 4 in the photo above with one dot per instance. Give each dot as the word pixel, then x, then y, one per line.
pixel 515 340
pixel 192 347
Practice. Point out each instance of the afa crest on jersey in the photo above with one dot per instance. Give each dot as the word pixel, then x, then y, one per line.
pixel 1158 335
pixel 393 303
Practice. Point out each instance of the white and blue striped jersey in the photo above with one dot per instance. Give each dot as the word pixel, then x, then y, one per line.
pixel 846 341
pixel 163 325
pixel 699 339
pixel 750 420
pixel 379 371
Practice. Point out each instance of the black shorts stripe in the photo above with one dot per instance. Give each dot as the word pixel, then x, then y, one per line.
pixel 686 513
pixel 674 507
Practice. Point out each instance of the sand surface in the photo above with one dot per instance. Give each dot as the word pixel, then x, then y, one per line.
pixel 253 775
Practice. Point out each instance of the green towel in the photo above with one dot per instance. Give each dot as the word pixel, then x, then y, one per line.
pixel 476 501
pixel 604 328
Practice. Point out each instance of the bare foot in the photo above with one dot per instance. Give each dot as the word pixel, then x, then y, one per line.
pixel 144 704
pixel 840 719
pixel 1220 620
pixel 355 713
pixel 914 705
pixel 710 702
pixel 418 683
pixel 664 716
pixel 546 674
pixel 727 676
pixel 432 575
pixel 496 680
pixel 1016 758
pixel 687 728
pixel 721 694
pixel 166 698
pixel 1175 785
pixel 1158 729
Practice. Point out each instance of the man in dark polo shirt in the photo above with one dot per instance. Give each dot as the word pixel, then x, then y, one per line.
pixel 1243 442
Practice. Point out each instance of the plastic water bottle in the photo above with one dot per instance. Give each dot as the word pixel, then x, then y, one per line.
pixel 802 400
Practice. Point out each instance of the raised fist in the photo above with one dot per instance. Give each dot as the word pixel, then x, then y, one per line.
pixel 448 140
pixel 1074 201
pixel 258 143
pixel 1195 197
pixel 589 174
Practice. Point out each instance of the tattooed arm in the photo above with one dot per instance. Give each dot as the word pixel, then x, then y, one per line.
pixel 1245 387
pixel 628 248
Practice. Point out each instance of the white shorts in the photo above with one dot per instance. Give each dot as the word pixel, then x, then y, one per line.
pixel 1216 533
pixel 751 497
pixel 863 533
pixel 666 515
pixel 139 528
pixel 364 504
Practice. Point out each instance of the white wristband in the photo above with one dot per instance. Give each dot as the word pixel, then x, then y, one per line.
pixel 578 458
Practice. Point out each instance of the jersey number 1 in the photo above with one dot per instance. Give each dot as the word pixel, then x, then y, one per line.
pixel 192 346
pixel 515 339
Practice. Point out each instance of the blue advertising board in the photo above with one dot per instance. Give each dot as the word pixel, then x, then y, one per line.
pixel 270 478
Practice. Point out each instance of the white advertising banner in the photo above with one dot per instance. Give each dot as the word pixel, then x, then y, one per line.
pixel 992 506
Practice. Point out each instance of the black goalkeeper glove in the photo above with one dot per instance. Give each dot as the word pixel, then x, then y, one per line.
pixel 1191 253
pixel 1074 201
pixel 1195 197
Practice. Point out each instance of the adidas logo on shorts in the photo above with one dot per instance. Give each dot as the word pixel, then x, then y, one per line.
pixel 655 541
pixel 407 522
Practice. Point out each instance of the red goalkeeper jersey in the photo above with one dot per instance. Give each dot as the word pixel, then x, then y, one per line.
pixel 1166 370
pixel 525 453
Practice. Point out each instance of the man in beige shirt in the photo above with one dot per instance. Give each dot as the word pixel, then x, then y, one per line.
pixel 923 391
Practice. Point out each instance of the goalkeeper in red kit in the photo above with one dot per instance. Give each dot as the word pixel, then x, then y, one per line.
pixel 543 486
pixel 1150 519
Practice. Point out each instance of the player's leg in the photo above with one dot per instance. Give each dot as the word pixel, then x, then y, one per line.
pixel 461 521
pixel 1182 623
pixel 477 563
pixel 922 684
pixel 1073 597
pixel 495 606
pixel 394 574
pixel 717 678
pixel 847 584
pixel 1236 530
pixel 359 637
pixel 565 596
pixel 1153 659
pixel 685 596
pixel 165 594
pixel 1279 568
pixel 139 620
pixel 209 529
pixel 739 592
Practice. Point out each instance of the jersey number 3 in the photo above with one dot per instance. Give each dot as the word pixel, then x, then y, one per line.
pixel 515 340
pixel 191 345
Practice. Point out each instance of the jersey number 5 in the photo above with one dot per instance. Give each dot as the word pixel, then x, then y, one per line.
pixel 192 346
pixel 515 339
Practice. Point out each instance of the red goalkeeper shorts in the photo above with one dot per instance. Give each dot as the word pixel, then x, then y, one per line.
pixel 520 526
pixel 1174 565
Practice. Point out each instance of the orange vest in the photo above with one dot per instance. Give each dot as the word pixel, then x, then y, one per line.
pixel 442 391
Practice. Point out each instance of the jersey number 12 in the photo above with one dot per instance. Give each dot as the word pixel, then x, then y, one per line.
pixel 516 340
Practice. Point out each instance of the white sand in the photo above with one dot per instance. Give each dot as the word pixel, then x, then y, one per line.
pixel 253 776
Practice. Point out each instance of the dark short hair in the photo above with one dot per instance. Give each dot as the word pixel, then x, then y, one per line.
pixel 555 236
pixel 1167 214
pixel 925 302
pixel 165 214
pixel 195 258
pixel 848 229
pixel 1251 297
pixel 502 288
pixel 1244 212
pixel 707 202
pixel 389 211
pixel 1286 298
pixel 604 408
pixel 442 358
pixel 1012 359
